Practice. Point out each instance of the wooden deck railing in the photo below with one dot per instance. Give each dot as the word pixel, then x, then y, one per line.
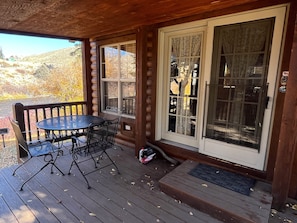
pixel 28 115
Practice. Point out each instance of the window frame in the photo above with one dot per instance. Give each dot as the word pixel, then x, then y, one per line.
pixel 118 79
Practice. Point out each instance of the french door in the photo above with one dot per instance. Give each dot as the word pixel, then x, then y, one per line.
pixel 217 84
pixel 240 90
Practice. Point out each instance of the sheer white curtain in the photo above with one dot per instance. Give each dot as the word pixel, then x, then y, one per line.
pixel 242 46
pixel 185 51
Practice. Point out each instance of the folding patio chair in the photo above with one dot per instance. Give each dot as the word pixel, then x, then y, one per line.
pixel 35 149
pixel 99 138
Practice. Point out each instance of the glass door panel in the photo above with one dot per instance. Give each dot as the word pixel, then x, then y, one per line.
pixel 238 85
pixel 183 84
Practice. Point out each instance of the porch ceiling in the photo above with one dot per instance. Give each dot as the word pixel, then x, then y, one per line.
pixel 89 18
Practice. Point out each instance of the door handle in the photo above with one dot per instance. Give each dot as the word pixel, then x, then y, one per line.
pixel 266 102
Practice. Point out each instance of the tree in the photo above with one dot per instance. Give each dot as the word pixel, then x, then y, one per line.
pixel 66 82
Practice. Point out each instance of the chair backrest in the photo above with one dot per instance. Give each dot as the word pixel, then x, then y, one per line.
pixel 104 132
pixel 95 131
pixel 112 129
pixel 19 135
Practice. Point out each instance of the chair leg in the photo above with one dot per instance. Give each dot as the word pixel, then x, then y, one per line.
pixel 69 171
pixel 82 173
pixel 53 162
pixel 34 175
pixel 54 165
pixel 112 162
pixel 13 174
pixel 94 159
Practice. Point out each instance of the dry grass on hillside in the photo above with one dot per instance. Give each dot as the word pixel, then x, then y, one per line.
pixel 28 77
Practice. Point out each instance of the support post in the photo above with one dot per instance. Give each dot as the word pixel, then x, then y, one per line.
pixel 288 135
pixel 18 115
pixel 140 137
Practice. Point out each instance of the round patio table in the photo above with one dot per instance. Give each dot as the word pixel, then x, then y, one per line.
pixel 69 123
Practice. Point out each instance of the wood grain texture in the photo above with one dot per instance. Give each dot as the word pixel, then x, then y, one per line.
pixel 132 196
pixel 221 203
pixel 88 18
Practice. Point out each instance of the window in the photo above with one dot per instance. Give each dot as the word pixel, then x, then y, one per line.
pixel 118 75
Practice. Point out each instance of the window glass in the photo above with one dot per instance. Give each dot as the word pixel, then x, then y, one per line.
pixel 110 62
pixel 111 96
pixel 128 61
pixel 238 89
pixel 118 75
pixel 128 93
pixel 183 85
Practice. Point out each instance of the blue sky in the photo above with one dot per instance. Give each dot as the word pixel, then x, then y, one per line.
pixel 17 45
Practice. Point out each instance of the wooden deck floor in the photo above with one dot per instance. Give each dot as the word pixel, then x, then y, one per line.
pixel 222 203
pixel 132 196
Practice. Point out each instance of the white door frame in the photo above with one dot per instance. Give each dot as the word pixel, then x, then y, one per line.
pixel 233 153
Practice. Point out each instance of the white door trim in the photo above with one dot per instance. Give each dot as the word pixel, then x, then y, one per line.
pixel 239 154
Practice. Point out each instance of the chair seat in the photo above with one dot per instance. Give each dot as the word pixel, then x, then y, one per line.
pixel 36 149
pixel 41 148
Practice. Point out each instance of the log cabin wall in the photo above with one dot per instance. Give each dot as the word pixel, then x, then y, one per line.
pixel 147 57
pixel 150 84
pixel 94 80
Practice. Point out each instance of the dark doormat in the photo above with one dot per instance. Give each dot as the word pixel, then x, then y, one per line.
pixel 223 178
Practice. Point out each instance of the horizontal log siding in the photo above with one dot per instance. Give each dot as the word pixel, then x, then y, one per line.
pixel 94 79
pixel 151 83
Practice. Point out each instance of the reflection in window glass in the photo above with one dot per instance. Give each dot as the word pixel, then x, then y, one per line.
pixel 110 61
pixel 118 75
pixel 183 86
pixel 128 61
pixel 238 89
pixel 111 96
pixel 128 94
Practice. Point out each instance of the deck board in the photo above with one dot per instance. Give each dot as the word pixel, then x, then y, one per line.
pixel 47 205
pixel 132 196
pixel 222 203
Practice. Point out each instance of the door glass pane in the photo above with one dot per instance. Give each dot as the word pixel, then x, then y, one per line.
pixel 238 89
pixel 184 84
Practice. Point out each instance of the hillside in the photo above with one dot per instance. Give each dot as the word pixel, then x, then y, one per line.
pixel 30 76
pixel 55 58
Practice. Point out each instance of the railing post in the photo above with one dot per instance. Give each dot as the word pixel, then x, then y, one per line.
pixel 18 114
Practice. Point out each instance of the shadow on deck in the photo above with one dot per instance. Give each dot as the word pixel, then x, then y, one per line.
pixel 221 203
